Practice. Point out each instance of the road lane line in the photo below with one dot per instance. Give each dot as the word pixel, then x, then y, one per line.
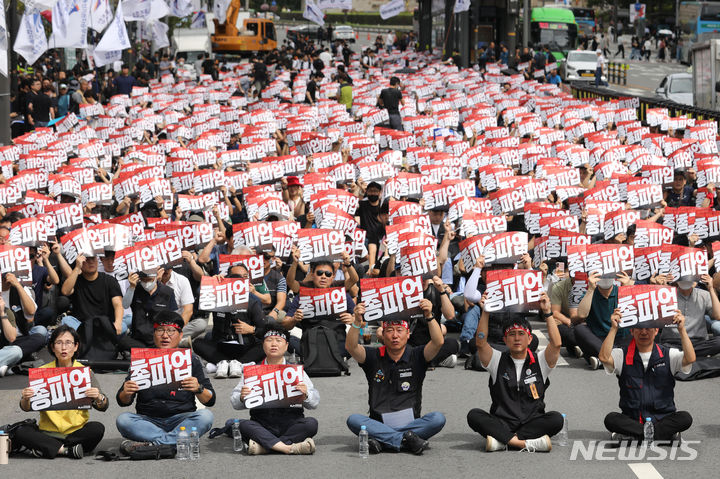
pixel 645 470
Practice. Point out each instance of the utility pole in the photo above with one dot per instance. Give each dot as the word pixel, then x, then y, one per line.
pixel 5 82
pixel 526 23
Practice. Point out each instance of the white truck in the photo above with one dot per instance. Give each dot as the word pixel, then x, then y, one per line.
pixel 191 42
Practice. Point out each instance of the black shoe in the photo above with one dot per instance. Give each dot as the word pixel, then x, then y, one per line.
pixel 374 446
pixel 75 452
pixel 128 446
pixel 413 443
pixel 464 349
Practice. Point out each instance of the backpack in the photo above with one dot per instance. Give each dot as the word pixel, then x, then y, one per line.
pixel 141 453
pixel 321 355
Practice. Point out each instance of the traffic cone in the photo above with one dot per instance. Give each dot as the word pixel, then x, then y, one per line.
pixel 368 36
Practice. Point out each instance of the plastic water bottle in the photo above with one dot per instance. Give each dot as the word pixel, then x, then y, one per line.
pixel 649 432
pixel 562 437
pixel 183 445
pixel 363 436
pixel 238 445
pixel 194 444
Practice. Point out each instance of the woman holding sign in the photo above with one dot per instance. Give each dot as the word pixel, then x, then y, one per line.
pixel 62 433
pixel 281 426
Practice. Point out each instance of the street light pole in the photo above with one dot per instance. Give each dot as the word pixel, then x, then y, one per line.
pixel 5 132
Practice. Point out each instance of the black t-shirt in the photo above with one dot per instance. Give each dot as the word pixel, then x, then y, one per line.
pixel 260 72
pixel 311 89
pixel 391 100
pixel 394 386
pixel 208 66
pixel 369 222
pixel 41 104
pixel 94 298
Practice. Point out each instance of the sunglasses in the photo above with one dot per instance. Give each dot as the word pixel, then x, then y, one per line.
pixel 329 274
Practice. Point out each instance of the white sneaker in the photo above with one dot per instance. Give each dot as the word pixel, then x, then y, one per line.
pixel 492 444
pixel 210 368
pixel 541 444
pixel 222 370
pixel 594 363
pixel 449 362
pixel 3 370
pixel 235 369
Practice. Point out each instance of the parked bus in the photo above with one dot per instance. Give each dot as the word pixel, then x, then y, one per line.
pixel 585 19
pixel 698 22
pixel 554 27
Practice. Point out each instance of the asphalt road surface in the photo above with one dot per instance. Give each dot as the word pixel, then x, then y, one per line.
pixel 584 395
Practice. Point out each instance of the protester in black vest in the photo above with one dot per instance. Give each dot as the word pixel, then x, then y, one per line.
pixel 518 380
pixel 284 430
pixel 146 301
pixel 395 375
pixel 645 372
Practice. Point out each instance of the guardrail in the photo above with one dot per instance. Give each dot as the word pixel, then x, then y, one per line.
pixel 617 73
pixel 580 90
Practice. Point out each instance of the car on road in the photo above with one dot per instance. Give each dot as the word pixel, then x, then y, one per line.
pixel 579 66
pixel 310 31
pixel 677 87
pixel 344 32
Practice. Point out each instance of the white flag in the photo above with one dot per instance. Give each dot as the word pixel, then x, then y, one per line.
pixel 392 8
pixel 100 15
pixel 181 8
pixel 313 13
pixel 220 8
pixel 3 44
pixel 461 6
pixel 198 20
pixel 70 21
pixel 136 10
pixel 159 35
pixel 158 9
pixel 334 4
pixel 31 42
pixel 115 38
pixel 105 58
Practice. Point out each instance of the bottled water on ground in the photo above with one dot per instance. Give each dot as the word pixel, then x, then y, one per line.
pixel 363 437
pixel 238 445
pixel 183 445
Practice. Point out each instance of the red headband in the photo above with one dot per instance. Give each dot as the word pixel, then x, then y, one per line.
pixel 402 323
pixel 168 323
pixel 517 326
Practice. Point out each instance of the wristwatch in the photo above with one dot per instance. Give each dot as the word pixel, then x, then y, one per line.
pixel 200 389
pixel 547 315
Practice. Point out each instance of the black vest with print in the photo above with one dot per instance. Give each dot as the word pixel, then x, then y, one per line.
pixel 646 392
pixel 395 387
pixel 513 399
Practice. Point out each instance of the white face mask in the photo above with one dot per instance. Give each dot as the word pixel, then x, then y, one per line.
pixel 605 283
pixel 148 285
pixel 685 284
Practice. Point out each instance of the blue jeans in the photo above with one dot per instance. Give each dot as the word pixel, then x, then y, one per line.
pixel 162 430
pixel 598 77
pixel 470 323
pixel 713 325
pixel 10 355
pixel 425 427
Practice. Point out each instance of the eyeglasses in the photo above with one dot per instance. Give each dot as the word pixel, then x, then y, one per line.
pixel 67 344
pixel 168 331
pixel 328 274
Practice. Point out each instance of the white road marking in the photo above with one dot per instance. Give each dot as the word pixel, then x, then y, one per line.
pixel 645 470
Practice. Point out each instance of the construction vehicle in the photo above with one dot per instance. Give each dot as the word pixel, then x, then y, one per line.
pixel 242 34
